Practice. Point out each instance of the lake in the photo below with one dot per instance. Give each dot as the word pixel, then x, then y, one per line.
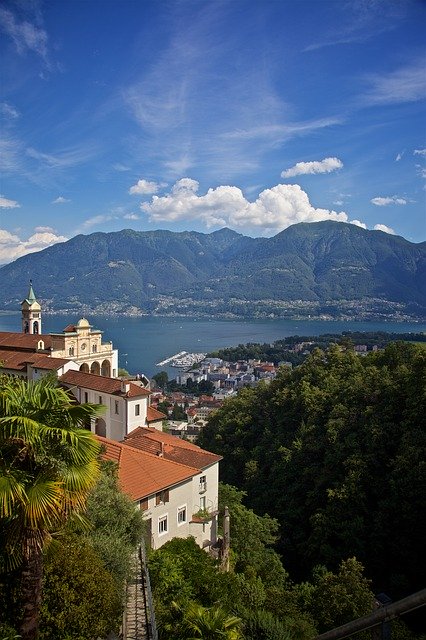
pixel 144 341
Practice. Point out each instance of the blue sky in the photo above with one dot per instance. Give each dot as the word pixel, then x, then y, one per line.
pixel 181 115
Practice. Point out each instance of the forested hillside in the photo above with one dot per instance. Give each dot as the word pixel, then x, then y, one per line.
pixel 335 451
pixel 325 268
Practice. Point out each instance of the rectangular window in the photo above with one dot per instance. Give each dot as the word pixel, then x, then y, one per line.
pixel 100 400
pixel 202 503
pixel 181 515
pixel 116 408
pixel 86 397
pixel 143 504
pixel 162 525
pixel 203 484
pixel 162 497
pixel 137 409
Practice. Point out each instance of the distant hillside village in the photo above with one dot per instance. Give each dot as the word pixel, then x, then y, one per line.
pixel 173 481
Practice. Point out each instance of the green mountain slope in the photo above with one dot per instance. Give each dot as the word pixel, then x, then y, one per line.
pixel 320 265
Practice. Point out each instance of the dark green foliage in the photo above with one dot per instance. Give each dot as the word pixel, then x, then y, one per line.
pixel 80 598
pixel 327 265
pixel 161 379
pixel 335 450
pixel 263 625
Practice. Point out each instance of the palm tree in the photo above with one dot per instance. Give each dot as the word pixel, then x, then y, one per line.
pixel 48 464
pixel 202 623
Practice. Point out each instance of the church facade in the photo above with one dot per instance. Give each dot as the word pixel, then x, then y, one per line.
pixel 79 343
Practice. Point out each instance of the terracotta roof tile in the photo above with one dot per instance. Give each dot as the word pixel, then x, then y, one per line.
pixel 23 341
pixel 171 447
pixel 17 360
pixel 143 474
pixel 103 384
pixel 152 415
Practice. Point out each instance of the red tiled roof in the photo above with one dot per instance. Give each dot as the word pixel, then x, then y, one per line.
pixel 152 415
pixel 70 328
pixel 142 474
pixel 103 384
pixel 17 360
pixel 171 447
pixel 23 341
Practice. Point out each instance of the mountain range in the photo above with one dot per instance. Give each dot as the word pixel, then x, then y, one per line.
pixel 323 269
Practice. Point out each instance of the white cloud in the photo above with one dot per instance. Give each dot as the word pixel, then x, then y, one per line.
pixel 60 200
pixel 144 187
pixel 120 167
pixel 5 203
pixel 26 36
pixel 131 216
pixel 318 166
pixel 399 156
pixel 420 152
pixel 274 210
pixel 383 227
pixel 358 223
pixel 13 247
pixel 384 202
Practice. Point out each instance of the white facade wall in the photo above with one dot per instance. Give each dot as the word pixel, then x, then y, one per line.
pixel 119 414
pixel 136 417
pixel 185 497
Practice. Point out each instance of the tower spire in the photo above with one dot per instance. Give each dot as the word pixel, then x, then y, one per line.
pixel 31 312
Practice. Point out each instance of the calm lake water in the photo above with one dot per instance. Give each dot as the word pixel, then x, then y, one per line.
pixel 143 341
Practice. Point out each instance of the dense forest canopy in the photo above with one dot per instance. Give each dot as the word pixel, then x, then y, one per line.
pixel 335 451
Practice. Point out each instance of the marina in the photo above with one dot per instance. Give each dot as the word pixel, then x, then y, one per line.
pixel 182 360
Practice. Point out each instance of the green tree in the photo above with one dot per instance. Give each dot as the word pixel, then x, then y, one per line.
pixel 116 526
pixel 333 450
pixel 80 597
pixel 161 379
pixel 48 464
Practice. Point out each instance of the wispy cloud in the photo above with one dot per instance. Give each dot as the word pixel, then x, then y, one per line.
pixel 406 84
pixel 131 216
pixel 399 156
pixel 65 158
pixel 386 201
pixel 360 21
pixel 317 166
pixel 5 203
pixel 60 200
pixel 96 221
pixel 420 152
pixel 27 36
pixel 8 111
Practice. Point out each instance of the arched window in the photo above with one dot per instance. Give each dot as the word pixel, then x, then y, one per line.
pixel 35 327
pixel 26 327
pixel 71 351
pixel 85 368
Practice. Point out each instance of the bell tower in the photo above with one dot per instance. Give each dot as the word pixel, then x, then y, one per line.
pixel 31 313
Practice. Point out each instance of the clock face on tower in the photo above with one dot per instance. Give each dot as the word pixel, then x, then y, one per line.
pixel 83 346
